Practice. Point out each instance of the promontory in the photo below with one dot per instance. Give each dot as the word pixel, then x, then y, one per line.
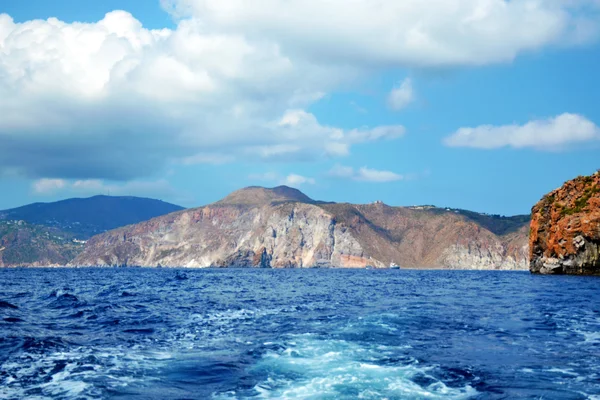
pixel 565 229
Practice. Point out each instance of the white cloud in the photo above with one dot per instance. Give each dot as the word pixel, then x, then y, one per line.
pixel 113 100
pixel 158 188
pixel 373 175
pixel 402 95
pixel 298 180
pixel 545 134
pixel 364 174
pixel 89 187
pixel 400 33
pixel 48 186
pixel 290 180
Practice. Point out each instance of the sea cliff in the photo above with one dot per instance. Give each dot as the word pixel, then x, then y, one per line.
pixel 565 229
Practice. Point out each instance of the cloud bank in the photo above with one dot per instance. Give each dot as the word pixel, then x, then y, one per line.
pixel 400 33
pixel 364 174
pixel 113 100
pixel 158 188
pixel 545 134
pixel 294 180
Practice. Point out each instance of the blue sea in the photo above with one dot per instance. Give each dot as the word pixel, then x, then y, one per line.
pixel 297 334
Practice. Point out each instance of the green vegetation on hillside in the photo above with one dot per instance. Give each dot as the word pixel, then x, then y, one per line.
pixel 88 217
pixel 581 202
pixel 25 244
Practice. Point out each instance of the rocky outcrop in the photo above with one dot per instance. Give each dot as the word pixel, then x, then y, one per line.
pixel 282 228
pixel 565 229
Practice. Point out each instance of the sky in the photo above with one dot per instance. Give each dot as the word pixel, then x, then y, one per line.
pixel 484 105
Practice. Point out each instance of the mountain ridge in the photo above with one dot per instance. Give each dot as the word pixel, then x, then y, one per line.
pixel 53 233
pixel 86 217
pixel 281 227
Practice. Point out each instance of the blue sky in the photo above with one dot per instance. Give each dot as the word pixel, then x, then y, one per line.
pixel 486 115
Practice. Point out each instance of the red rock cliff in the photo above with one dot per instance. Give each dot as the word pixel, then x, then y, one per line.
pixel 565 229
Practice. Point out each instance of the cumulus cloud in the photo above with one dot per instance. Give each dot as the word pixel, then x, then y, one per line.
pixel 364 174
pixel 298 180
pixel 402 95
pixel 290 180
pixel 401 33
pixel 545 134
pixel 113 100
pixel 48 186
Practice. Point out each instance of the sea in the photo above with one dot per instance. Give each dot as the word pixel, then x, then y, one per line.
pixel 132 333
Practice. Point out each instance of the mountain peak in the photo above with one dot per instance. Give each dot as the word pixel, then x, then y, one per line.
pixel 255 195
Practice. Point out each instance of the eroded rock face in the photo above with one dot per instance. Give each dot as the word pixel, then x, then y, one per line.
pixel 565 229
pixel 291 235
pixel 262 228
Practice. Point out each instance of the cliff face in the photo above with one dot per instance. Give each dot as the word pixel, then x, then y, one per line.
pixel 266 229
pixel 565 229
pixel 284 235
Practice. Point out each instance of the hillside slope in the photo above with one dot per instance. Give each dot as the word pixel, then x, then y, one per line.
pixel 91 216
pixel 51 234
pixel 281 227
pixel 23 244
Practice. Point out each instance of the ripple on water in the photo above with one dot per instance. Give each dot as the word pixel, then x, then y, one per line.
pixel 325 334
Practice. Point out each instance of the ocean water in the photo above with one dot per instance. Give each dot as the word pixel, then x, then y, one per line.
pixel 297 334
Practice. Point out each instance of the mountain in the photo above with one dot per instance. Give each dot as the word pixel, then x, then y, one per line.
pixel 282 227
pixel 565 229
pixel 87 217
pixel 49 234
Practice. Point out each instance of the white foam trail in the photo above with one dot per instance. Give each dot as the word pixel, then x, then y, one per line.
pixel 310 367
pixel 118 367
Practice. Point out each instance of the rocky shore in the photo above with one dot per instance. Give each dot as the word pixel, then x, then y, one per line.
pixel 565 229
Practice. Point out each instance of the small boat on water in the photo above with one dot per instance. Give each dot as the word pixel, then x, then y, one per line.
pixel 394 266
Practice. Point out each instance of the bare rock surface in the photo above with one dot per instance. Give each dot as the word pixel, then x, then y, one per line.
pixel 565 229
pixel 283 228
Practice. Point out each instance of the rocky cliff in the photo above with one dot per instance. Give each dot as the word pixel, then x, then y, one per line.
pixel 565 229
pixel 281 227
